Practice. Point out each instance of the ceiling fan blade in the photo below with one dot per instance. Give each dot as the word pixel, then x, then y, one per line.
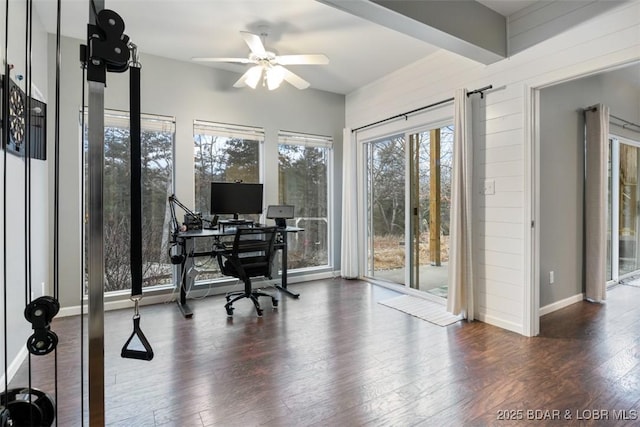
pixel 235 60
pixel 250 78
pixel 294 79
pixel 254 43
pixel 303 59
pixel 274 76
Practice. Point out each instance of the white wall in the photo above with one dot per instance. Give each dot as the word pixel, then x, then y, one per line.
pixel 187 92
pixel 18 329
pixel 504 269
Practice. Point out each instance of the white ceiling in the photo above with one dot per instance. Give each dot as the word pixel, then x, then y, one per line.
pixel 359 51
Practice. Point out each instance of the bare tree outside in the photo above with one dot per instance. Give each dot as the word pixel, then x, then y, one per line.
pixel 219 157
pixel 157 138
pixel 386 166
pixel 303 182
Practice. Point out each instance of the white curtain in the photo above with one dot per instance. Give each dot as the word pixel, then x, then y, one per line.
pixel 349 246
pixel 460 298
pixel 595 203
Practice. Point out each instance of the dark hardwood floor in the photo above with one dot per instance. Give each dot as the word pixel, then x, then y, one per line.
pixel 337 358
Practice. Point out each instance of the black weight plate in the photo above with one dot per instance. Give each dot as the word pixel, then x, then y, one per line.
pixel 47 406
pixel 30 407
pixel 23 413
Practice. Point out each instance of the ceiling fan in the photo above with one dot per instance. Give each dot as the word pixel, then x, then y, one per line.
pixel 268 66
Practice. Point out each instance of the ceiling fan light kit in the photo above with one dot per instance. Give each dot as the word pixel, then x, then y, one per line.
pixel 268 66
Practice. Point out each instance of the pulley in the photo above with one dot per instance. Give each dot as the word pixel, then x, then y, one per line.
pixel 40 312
pixel 42 341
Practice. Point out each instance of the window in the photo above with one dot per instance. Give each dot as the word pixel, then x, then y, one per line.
pixel 158 134
pixel 224 153
pixel 221 153
pixel 303 181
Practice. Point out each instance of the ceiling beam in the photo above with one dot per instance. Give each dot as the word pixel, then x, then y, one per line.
pixel 465 27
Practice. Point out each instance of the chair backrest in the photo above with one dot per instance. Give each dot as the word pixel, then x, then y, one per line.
pixel 253 249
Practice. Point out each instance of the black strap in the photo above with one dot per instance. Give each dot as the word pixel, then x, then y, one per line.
pixel 136 183
pixel 131 348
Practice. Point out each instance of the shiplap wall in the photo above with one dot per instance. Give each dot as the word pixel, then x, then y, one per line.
pixel 503 141
pixel 536 22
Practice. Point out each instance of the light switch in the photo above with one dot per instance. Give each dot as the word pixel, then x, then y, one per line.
pixel 489 187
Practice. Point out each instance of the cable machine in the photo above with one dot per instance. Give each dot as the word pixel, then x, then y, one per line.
pixel 108 49
pixel 26 406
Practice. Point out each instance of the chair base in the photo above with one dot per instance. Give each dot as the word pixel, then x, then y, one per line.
pixel 253 296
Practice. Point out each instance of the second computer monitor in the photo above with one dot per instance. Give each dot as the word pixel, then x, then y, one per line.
pixel 236 198
pixel 280 213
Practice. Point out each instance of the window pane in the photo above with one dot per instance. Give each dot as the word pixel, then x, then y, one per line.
pixel 221 154
pixel 446 168
pixel 157 138
pixel 385 204
pixel 222 158
pixel 303 182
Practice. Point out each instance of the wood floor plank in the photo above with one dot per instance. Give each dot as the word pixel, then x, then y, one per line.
pixel 336 357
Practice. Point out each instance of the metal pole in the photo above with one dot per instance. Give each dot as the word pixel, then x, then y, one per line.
pixel 96 242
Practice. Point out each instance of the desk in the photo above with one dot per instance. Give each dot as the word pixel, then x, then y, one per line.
pixel 186 244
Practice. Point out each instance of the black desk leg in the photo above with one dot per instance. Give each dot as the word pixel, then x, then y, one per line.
pixel 283 287
pixel 182 301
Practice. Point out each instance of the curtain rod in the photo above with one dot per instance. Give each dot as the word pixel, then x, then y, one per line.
pixel 626 122
pixel 435 104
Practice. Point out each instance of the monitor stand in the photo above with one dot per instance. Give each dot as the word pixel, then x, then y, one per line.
pixel 235 222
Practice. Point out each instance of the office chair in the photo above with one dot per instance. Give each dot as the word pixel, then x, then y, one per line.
pixel 250 255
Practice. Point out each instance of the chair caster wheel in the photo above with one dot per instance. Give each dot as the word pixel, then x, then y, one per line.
pixel 229 311
pixel 259 312
pixel 274 302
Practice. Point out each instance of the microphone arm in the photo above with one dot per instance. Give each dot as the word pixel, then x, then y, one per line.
pixel 173 202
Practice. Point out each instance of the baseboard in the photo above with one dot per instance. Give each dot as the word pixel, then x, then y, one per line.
pixel 199 292
pixel 550 308
pixel 15 364
pixel 117 304
pixel 501 323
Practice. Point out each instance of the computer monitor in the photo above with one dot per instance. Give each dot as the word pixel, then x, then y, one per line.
pixel 236 198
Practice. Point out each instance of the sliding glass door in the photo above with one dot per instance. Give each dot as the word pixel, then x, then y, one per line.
pixel 431 165
pixel 385 208
pixel 628 203
pixel 407 204
pixel 623 239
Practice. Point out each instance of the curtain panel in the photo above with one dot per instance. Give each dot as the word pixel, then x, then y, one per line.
pixel 595 201
pixel 460 299
pixel 349 244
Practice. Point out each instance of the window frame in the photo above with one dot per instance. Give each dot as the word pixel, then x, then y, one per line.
pixel 115 118
pixel 311 140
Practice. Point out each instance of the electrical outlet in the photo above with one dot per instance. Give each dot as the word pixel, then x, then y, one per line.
pixel 551 277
